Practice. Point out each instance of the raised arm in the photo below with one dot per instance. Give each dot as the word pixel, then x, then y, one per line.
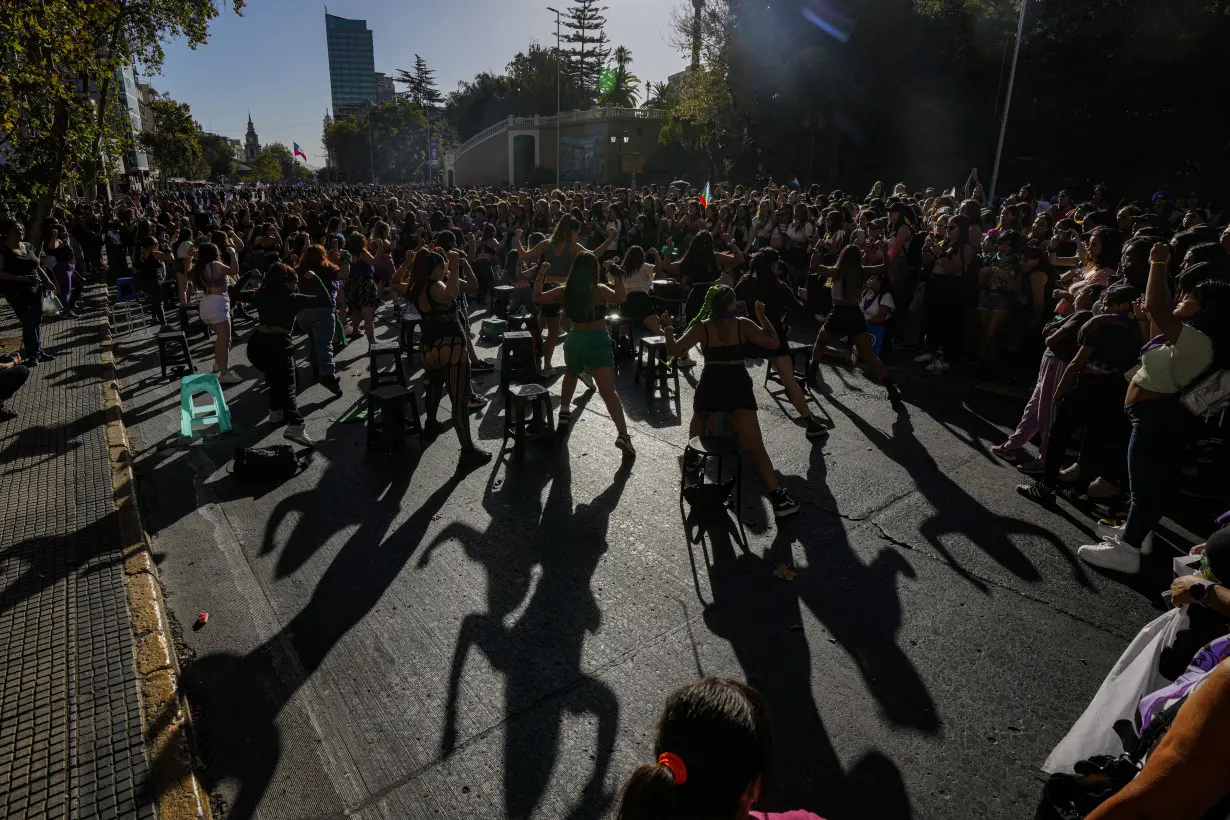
pixel 601 249
pixel 446 290
pixel 616 296
pixel 546 297
pixel 731 259
pixel 1157 294
pixel 684 343
pixel 760 332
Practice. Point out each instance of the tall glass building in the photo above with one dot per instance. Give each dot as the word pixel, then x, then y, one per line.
pixel 352 64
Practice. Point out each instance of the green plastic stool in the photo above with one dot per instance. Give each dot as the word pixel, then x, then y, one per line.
pixel 492 329
pixel 193 418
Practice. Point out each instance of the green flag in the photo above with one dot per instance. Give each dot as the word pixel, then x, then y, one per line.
pixel 606 81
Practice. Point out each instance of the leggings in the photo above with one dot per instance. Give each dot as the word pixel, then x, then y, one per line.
pixel 456 377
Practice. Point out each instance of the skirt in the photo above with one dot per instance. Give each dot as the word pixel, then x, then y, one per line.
pixel 362 293
pixel 722 388
pixel 638 307
pixel 215 309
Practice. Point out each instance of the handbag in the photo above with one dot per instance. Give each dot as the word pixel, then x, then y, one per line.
pixel 51 304
pixel 1206 395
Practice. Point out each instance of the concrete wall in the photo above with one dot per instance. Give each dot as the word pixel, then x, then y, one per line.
pixel 485 165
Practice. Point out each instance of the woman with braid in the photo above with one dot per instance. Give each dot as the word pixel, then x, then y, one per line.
pixel 433 289
pixel 725 386
pixel 588 345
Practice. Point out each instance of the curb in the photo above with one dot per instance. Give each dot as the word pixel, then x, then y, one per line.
pixel 167 723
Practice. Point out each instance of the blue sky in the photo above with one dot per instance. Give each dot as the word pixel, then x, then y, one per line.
pixel 273 60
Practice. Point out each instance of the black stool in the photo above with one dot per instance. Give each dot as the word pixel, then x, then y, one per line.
pixel 651 359
pixel 501 298
pixel 386 350
pixel 411 325
pixel 719 449
pixel 797 350
pixel 615 325
pixel 388 422
pixel 518 398
pixel 517 357
pixel 173 351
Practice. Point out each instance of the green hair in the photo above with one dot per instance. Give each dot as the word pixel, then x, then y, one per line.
pixel 580 294
pixel 717 297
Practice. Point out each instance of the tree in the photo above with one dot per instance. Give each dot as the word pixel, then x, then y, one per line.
pixel 625 84
pixel 393 135
pixel 585 21
pixel 55 54
pixel 174 146
pixel 267 167
pixel 660 95
pixel 420 85
pixel 218 154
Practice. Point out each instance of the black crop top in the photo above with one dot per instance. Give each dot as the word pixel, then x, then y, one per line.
pixel 723 353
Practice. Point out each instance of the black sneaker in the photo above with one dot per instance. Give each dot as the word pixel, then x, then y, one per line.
pixel 481 366
pixel 474 457
pixel 783 504
pixel 475 402
pixel 1037 492
pixel 816 428
pixel 333 385
pixel 44 356
pixel 6 414
pixel 691 461
pixel 565 420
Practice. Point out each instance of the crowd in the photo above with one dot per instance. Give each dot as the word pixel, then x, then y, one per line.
pixel 1121 307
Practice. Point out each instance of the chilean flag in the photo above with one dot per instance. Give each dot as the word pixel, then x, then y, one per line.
pixel 299 153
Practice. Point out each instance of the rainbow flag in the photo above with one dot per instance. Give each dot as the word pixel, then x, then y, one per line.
pixel 299 153
pixel 704 196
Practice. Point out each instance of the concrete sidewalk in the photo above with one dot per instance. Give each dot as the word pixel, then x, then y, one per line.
pixel 71 742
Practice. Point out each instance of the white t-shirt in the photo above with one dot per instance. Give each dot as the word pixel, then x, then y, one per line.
pixel 639 281
pixel 800 233
pixel 871 304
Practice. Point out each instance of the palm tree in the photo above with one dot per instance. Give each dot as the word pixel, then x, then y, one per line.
pixel 623 91
pixel 658 95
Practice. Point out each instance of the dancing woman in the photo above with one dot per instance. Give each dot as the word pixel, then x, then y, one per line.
pixel 846 320
pixel 699 269
pixel 588 344
pixel 433 288
pixel 558 253
pixel 725 386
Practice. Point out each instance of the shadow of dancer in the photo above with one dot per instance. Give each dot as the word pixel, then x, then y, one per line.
pixel 244 695
pixel 540 652
pixel 760 615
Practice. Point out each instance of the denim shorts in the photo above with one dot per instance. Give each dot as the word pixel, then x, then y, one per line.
pixel 996 302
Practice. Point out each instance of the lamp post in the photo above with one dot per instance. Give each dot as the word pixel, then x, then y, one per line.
pixel 1003 126
pixel 559 56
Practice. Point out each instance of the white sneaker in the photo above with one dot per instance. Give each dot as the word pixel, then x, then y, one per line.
pixel 586 380
pixel 1109 530
pixel 299 435
pixel 1113 555
pixel 924 358
pixel 276 416
pixel 938 366
pixel 1102 488
pixel 1069 474
pixel 229 377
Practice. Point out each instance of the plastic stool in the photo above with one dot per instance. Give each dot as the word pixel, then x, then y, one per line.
pixel 126 290
pixel 520 429
pixel 126 314
pixel 719 449
pixel 388 423
pixel 517 357
pixel 173 351
pixel 501 298
pixel 410 323
pixel 382 378
pixel 492 329
pixel 797 350
pixel 651 359
pixel 193 417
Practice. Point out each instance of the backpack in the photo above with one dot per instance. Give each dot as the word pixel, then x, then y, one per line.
pixel 277 463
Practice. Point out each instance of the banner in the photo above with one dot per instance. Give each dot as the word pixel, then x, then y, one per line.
pixel 435 152
pixel 583 159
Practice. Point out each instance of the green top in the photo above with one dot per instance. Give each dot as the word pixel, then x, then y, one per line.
pixel 278 308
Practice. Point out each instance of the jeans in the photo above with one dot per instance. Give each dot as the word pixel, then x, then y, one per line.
pixel 1152 457
pixel 273 356
pixel 1095 403
pixel 319 324
pixel 11 380
pixel 29 309
pixel 70 283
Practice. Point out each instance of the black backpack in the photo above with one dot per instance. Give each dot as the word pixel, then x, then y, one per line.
pixel 277 463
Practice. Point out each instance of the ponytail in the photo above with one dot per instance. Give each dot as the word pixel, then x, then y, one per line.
pixel 649 794
pixel 717 298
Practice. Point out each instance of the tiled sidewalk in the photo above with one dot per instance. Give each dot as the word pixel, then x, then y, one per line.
pixel 70 725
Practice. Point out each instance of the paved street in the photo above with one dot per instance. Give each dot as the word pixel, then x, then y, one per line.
pixel 390 639
pixel 70 722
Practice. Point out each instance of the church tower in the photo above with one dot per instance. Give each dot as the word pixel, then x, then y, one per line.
pixel 251 143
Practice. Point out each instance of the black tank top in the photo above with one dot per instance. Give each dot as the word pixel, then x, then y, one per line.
pixel 723 353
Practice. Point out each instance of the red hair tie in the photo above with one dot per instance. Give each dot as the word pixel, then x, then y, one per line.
pixel 674 762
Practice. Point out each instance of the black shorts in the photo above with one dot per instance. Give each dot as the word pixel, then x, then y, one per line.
pixel 552 309
pixel 722 388
pixel 639 306
pixel 845 321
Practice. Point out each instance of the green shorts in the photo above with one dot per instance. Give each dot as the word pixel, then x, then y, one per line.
pixel 588 348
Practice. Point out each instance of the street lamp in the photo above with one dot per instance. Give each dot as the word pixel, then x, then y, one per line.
pixel 1003 126
pixel 558 59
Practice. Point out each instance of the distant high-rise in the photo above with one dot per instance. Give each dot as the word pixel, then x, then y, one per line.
pixel 352 64
pixel 385 92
